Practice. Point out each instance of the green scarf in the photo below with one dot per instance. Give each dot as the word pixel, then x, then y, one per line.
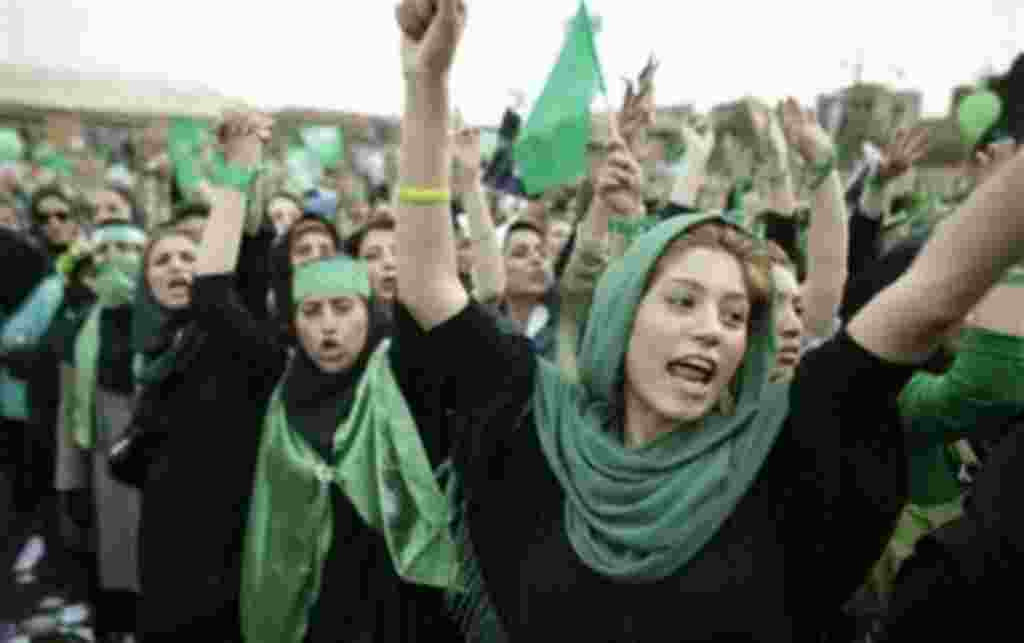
pixel 151 323
pixel 380 465
pixel 641 515
pixel 115 286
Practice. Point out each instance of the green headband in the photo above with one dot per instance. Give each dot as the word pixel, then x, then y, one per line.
pixel 119 233
pixel 336 276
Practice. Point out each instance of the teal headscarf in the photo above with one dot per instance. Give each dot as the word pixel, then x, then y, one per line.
pixel 641 515
pixel 378 462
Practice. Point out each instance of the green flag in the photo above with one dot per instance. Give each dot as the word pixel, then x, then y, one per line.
pixel 328 143
pixel 185 147
pixel 552 149
pixel 11 147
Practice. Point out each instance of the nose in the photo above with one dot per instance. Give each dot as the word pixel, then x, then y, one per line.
pixel 708 328
pixel 790 326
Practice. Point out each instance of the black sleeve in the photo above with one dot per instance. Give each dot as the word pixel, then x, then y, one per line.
pixel 865 234
pixel 254 271
pixel 848 459
pixel 21 362
pixel 467 367
pixel 25 266
pixel 220 312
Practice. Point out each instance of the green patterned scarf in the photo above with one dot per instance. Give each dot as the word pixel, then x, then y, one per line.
pixel 640 515
pixel 380 464
pixel 115 286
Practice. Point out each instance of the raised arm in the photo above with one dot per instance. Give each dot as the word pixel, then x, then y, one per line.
pixel 828 233
pixel 428 278
pixel 243 137
pixel 488 264
pixel 967 254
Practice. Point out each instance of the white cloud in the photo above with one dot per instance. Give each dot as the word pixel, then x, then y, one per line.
pixel 343 54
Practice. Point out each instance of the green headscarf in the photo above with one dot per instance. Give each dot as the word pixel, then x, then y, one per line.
pixel 641 515
pixel 115 286
pixel 380 464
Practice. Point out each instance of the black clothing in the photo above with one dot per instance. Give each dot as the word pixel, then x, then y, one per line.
pixel 799 543
pixel 960 581
pixel 195 499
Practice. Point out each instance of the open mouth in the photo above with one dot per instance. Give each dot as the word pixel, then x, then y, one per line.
pixel 331 352
pixel 389 284
pixel 788 355
pixel 694 371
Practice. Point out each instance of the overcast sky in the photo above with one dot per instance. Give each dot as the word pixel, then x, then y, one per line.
pixel 343 54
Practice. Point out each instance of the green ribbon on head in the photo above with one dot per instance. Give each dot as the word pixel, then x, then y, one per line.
pixel 340 275
pixel 639 515
pixel 377 460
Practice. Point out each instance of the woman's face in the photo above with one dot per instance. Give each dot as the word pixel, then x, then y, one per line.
pixel 53 215
pixel 378 251
pixel 526 258
pixel 332 330
pixel 169 271
pixel 558 236
pixel 283 213
pixel 310 246
pixel 689 337
pixel 789 325
pixel 109 206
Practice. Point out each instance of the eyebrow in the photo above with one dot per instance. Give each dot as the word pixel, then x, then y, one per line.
pixel 732 294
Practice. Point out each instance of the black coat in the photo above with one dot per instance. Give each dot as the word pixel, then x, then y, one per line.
pixel 195 500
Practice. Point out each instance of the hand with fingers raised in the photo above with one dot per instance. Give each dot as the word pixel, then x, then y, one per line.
pixel 805 134
pixel 901 153
pixel 618 181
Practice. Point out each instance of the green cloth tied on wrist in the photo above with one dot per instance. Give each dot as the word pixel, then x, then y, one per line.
pixel 821 171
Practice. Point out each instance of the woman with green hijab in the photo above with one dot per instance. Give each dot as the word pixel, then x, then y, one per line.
pixel 675 493
pixel 99 406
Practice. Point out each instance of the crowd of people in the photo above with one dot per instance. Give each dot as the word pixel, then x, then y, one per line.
pixel 251 414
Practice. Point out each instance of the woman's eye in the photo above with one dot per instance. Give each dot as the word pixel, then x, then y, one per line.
pixel 682 301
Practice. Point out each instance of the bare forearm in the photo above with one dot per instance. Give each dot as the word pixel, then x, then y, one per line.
pixel 222 237
pixel 488 266
pixel 827 250
pixel 426 246
pixel 966 255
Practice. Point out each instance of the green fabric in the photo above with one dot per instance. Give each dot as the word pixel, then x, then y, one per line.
pixel 383 469
pixel 984 385
pixel 551 150
pixel 641 515
pixel 115 286
pixel 976 114
pixel 11 147
pixel 338 275
pixel 326 143
pixel 119 233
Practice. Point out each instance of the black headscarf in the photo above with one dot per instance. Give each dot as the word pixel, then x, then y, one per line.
pixel 281 272
pixel 316 402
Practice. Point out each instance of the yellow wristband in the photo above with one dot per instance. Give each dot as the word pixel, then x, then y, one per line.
pixel 421 196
